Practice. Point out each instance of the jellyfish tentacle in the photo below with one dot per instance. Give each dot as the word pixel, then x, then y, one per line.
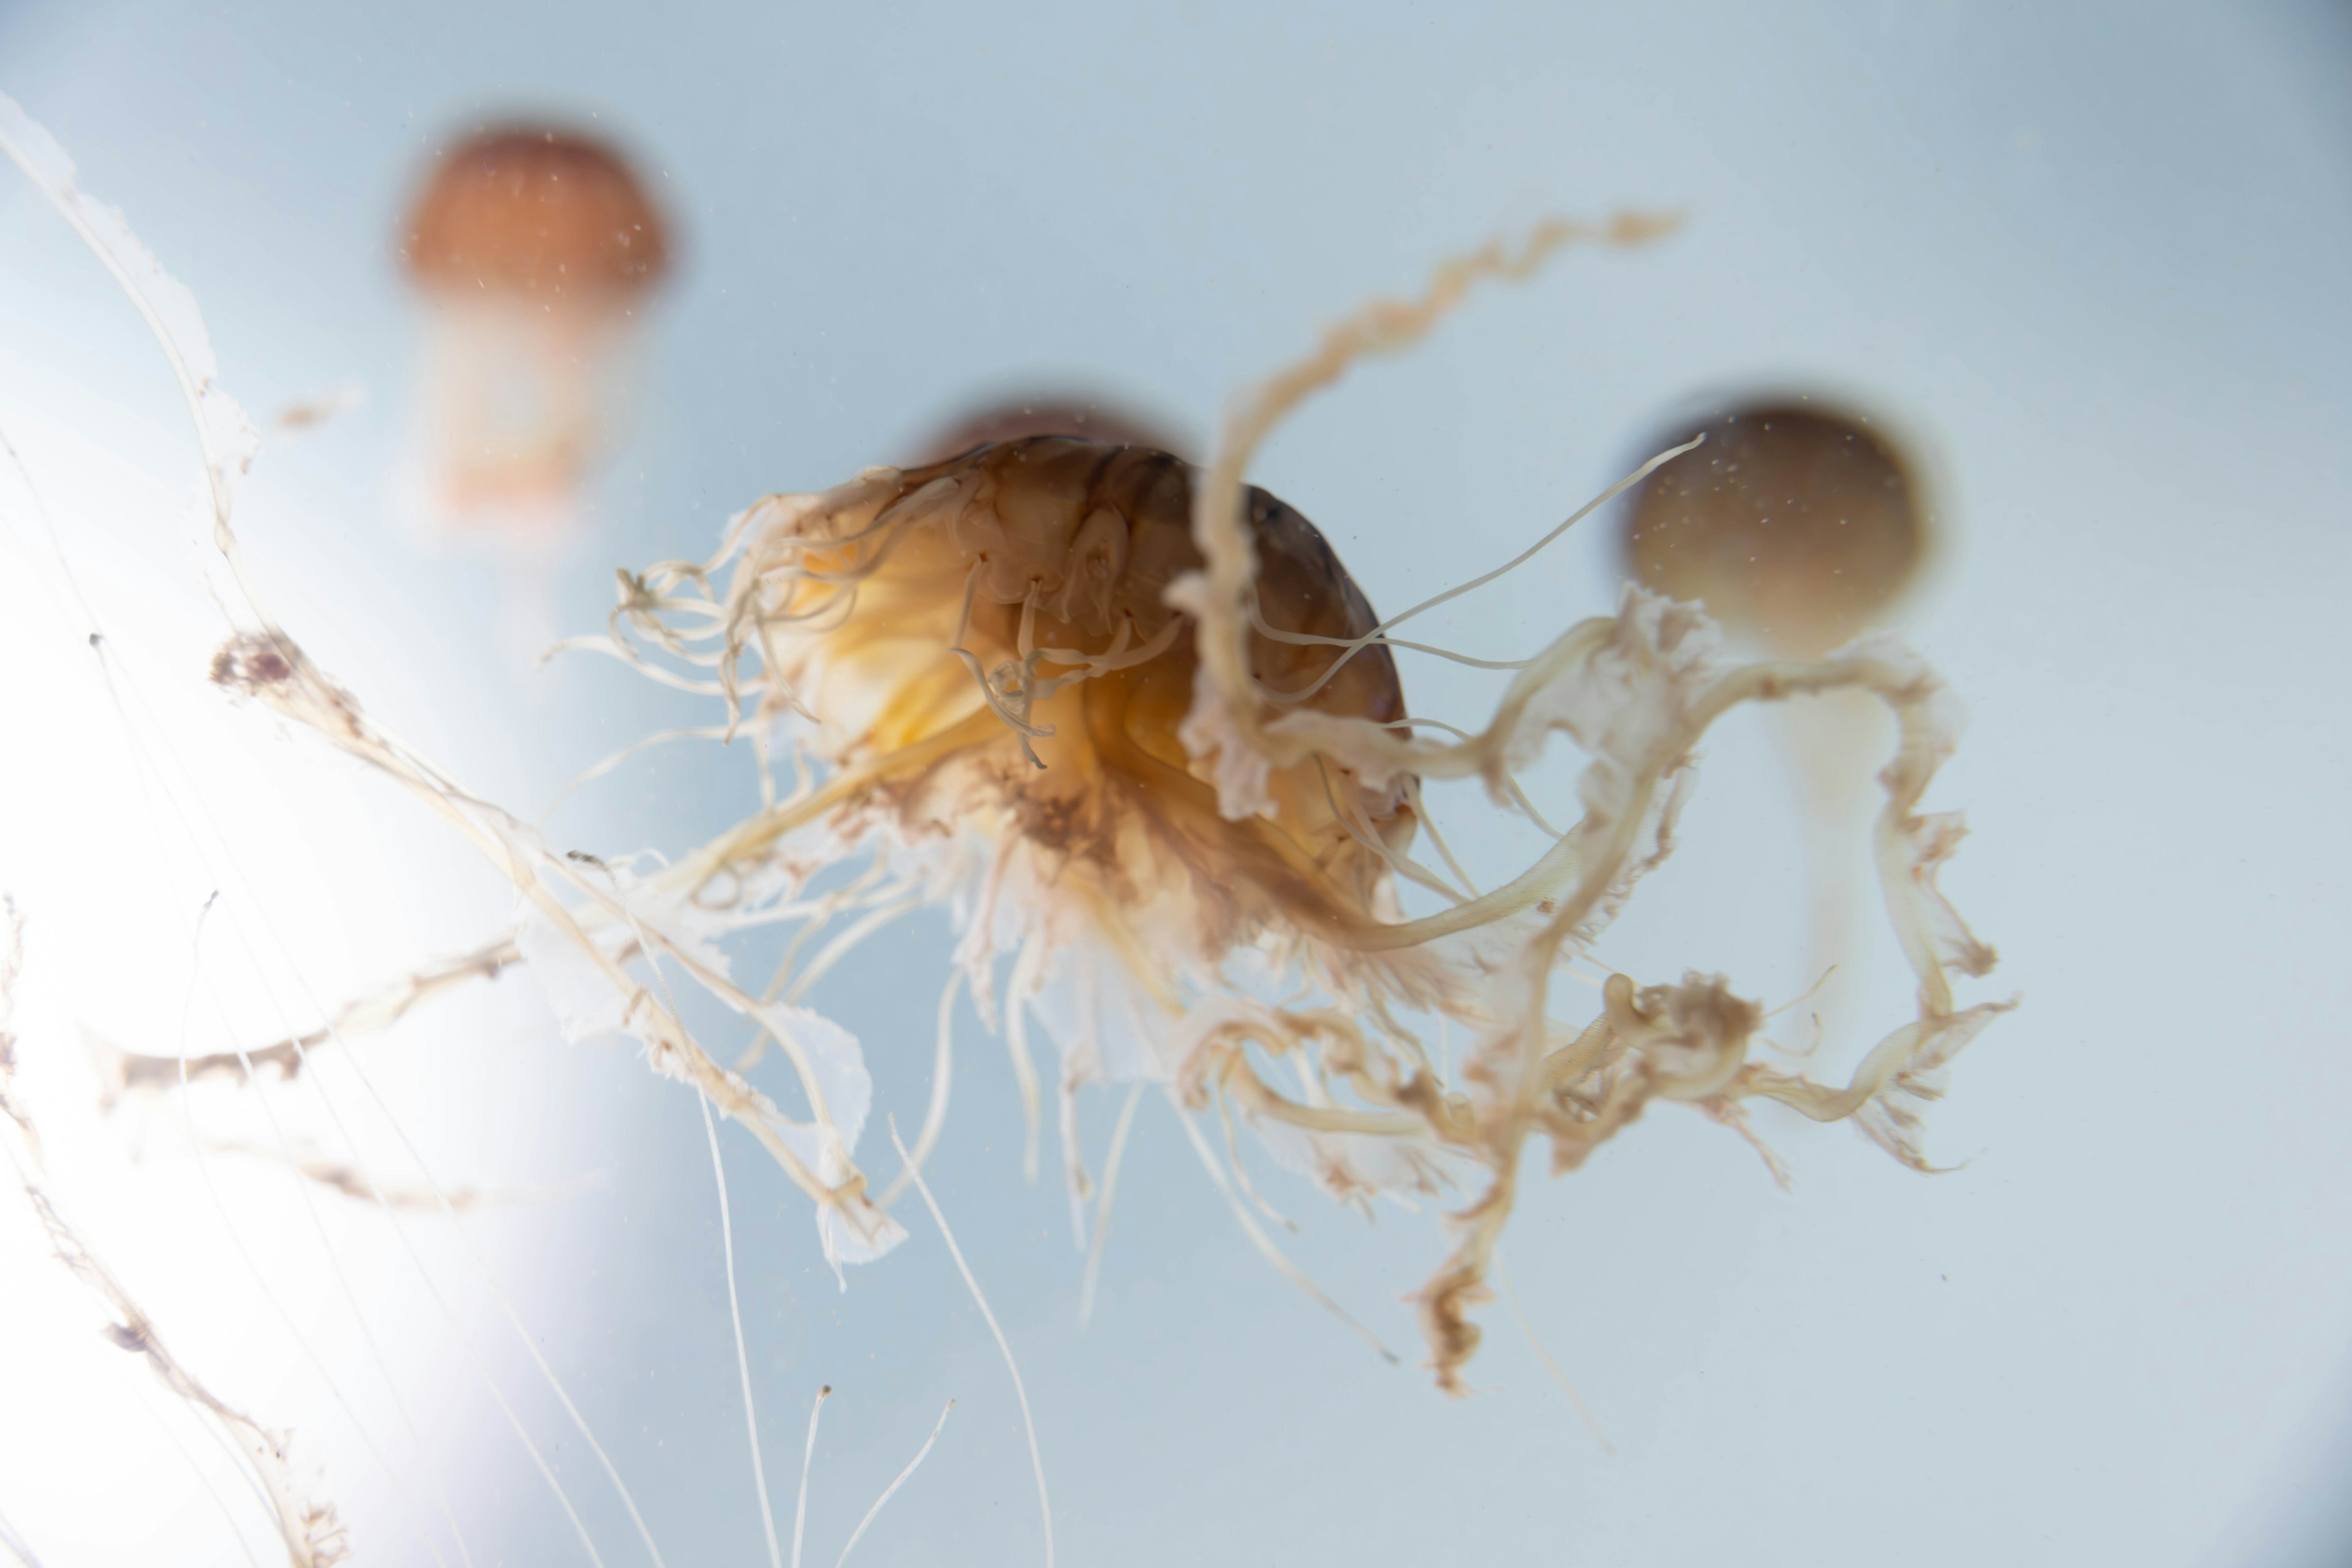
pixel 1112 1159
pixel 1018 991
pixel 1214 594
pixel 1265 1245
pixel 1379 635
pixel 892 1490
pixel 934 1115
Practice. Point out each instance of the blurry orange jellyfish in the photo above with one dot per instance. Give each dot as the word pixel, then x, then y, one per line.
pixel 535 250
pixel 1801 526
pixel 1797 527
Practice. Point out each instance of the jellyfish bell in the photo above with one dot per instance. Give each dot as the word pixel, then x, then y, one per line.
pixel 534 250
pixel 1802 524
pixel 1799 525
pixel 1134 726
pixel 1047 411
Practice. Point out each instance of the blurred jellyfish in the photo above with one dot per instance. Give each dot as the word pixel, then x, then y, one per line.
pixel 1801 527
pixel 1797 527
pixel 1046 411
pixel 535 251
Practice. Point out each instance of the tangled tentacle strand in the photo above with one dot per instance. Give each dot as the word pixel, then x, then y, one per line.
pixel 1636 692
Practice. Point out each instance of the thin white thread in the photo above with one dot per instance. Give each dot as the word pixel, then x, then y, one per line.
pixel 890 1490
pixel 735 1312
pixel 808 1454
pixel 1036 1461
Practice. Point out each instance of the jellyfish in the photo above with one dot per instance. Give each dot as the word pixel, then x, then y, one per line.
pixel 1047 411
pixel 534 250
pixel 1801 525
pixel 1049 734
pixel 1134 723
pixel 1135 728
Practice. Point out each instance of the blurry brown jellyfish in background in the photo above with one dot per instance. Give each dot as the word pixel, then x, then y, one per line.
pixel 535 250
pixel 1802 525
pixel 1046 411
pixel 1797 527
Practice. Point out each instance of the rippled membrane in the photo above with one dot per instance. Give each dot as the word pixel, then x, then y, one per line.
pixel 263 660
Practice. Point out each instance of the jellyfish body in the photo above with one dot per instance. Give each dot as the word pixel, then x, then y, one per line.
pixel 1800 527
pixel 533 250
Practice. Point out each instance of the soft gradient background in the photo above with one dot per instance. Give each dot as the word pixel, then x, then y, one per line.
pixel 2096 254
